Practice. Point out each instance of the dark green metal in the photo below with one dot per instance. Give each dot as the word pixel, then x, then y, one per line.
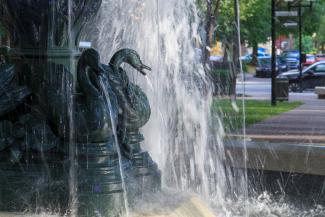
pixel 273 53
pixel 55 123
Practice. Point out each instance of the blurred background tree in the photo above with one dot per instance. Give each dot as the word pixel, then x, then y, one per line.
pixel 218 19
pixel 313 24
pixel 209 11
pixel 320 35
pixel 308 45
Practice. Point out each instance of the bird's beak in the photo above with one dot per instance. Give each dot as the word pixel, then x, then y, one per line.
pixel 142 67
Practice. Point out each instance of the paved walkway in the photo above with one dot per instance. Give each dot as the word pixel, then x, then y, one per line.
pixel 303 124
pixel 291 142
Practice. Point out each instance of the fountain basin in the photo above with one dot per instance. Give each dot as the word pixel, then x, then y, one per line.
pixel 300 158
pixel 192 207
pixel 7 214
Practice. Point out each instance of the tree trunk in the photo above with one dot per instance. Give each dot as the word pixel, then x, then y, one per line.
pixel 214 17
pixel 225 52
pixel 206 52
pixel 211 22
pixel 255 54
pixel 235 54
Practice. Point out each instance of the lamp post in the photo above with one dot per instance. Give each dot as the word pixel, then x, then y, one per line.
pixel 273 58
pixel 300 48
pixel 299 6
pixel 291 4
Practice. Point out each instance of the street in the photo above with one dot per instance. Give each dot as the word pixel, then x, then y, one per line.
pixel 260 89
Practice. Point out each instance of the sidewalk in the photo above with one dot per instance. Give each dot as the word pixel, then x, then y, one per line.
pixel 303 124
pixel 291 142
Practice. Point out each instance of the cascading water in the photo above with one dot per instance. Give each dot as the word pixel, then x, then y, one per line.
pixel 110 108
pixel 71 110
pixel 183 136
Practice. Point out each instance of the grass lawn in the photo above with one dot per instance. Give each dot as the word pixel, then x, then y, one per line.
pixel 231 112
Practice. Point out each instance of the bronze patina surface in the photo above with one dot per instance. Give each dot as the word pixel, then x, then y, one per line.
pixel 57 145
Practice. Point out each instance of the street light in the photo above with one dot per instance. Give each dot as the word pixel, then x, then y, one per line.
pixel 288 13
pixel 273 58
pixel 302 57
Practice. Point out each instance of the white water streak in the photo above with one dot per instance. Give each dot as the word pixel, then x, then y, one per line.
pixel 179 133
pixel 73 182
pixel 111 114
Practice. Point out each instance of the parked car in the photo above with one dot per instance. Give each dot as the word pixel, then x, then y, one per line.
pixel 312 76
pixel 310 59
pixel 249 57
pixel 283 66
pixel 320 57
pixel 292 58
pixel 264 67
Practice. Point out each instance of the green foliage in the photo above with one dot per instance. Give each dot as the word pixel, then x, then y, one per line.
pixel 201 4
pixel 220 72
pixel 307 44
pixel 320 37
pixel 225 21
pixel 222 81
pixel 256 111
pixel 310 19
pixel 255 17
pixel 255 21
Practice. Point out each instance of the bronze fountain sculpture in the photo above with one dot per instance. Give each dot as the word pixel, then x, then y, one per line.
pixel 56 130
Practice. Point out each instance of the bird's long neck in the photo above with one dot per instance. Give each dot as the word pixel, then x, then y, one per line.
pixel 118 58
pixel 84 81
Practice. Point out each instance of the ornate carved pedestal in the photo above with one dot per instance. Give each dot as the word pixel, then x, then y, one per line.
pixel 57 145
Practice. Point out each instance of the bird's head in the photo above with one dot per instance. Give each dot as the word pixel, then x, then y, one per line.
pixel 91 58
pixel 135 61
pixel 130 57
